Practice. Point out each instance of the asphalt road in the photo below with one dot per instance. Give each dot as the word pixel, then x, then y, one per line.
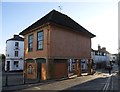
pixel 103 82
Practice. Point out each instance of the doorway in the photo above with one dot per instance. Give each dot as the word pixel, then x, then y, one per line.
pixel 8 65
pixel 39 71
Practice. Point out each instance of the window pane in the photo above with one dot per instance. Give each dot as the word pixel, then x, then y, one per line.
pixel 40 38
pixel 30 42
pixel 16 53
pixel 16 43
pixel 16 63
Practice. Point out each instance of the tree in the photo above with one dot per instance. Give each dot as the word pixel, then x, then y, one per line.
pixel 3 57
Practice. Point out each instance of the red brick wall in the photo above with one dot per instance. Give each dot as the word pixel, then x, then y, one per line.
pixel 36 53
pixel 66 43
pixel 60 42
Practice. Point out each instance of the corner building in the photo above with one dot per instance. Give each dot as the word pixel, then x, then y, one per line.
pixel 49 44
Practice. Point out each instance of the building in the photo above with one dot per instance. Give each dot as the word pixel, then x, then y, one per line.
pixel 14 54
pixel 101 57
pixel 51 42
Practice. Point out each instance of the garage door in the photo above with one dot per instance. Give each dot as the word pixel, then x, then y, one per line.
pixel 60 70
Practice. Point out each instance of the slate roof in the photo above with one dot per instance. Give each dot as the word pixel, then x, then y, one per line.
pixel 16 38
pixel 100 51
pixel 60 19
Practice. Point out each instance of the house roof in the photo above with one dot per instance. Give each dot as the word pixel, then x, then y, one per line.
pixel 60 19
pixel 100 51
pixel 16 38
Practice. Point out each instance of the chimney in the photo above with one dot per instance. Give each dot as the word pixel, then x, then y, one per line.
pixel 99 47
pixel 103 49
pixel 16 36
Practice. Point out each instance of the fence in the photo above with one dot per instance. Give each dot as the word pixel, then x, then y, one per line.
pixel 16 78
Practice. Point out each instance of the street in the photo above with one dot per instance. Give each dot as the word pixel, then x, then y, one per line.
pixel 101 80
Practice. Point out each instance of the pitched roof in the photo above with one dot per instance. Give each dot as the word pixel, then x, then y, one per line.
pixel 16 38
pixel 100 51
pixel 60 19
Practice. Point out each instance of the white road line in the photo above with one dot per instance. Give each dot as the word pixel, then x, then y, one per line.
pixel 37 88
pixel 112 82
pixel 107 84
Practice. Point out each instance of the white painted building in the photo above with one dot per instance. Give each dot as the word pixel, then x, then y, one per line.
pixel 71 65
pixel 14 53
pixel 113 57
pixel 101 56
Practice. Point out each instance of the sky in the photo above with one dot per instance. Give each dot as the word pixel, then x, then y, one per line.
pixel 99 18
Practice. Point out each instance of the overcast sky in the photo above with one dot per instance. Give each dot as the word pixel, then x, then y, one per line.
pixel 100 18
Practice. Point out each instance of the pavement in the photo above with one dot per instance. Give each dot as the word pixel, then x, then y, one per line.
pixel 63 84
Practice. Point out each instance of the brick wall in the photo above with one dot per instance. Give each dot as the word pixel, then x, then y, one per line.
pixel 61 43
pixel 66 43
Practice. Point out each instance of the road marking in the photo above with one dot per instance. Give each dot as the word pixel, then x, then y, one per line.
pixel 107 84
pixel 112 82
pixel 37 88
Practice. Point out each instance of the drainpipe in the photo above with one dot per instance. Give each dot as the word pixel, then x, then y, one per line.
pixel 24 72
pixel 47 59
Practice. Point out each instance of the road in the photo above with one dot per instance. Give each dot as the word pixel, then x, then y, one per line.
pixel 100 81
pixel 103 82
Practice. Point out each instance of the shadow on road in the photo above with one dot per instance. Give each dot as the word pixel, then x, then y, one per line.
pixel 96 85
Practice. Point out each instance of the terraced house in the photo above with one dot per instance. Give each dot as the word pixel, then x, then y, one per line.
pixel 51 42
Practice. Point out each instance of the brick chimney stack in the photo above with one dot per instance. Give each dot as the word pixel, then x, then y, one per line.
pixel 99 47
pixel 16 36
pixel 103 49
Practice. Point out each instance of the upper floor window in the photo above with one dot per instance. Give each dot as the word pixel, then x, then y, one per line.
pixel 16 53
pixel 40 38
pixel 96 52
pixel 30 42
pixel 16 45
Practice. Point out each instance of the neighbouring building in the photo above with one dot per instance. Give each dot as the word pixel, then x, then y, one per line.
pixel 14 54
pixel 113 58
pixel 51 43
pixel 101 57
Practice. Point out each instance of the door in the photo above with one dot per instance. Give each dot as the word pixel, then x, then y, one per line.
pixel 39 71
pixel 60 70
pixel 8 65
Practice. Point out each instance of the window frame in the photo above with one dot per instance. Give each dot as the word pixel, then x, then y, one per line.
pixel 30 42
pixel 16 64
pixel 17 44
pixel 16 54
pixel 40 40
